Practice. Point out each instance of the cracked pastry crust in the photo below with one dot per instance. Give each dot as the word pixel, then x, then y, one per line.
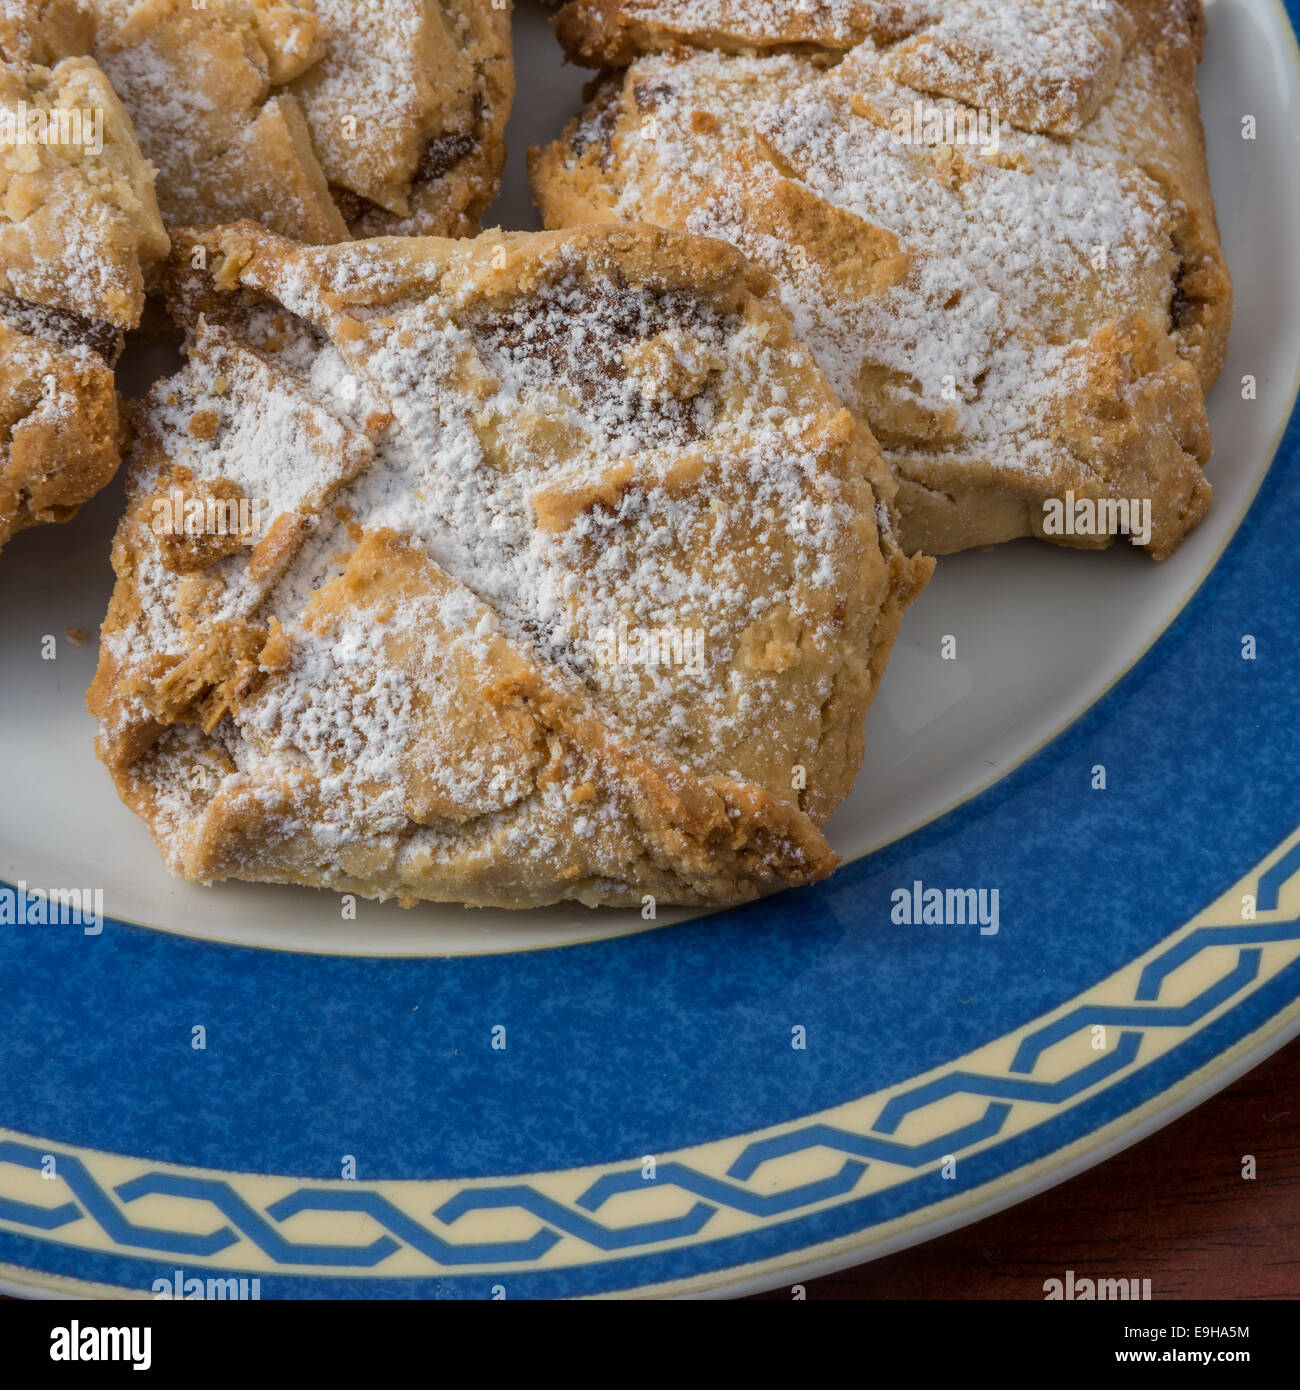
pixel 79 233
pixel 317 118
pixel 1016 318
pixel 573 581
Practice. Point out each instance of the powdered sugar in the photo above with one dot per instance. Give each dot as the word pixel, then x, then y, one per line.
pixel 624 483
pixel 956 324
pixel 371 103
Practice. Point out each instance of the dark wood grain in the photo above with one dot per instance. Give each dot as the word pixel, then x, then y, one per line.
pixel 1174 1209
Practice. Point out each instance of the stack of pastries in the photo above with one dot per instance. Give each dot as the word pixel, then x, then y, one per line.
pixel 518 567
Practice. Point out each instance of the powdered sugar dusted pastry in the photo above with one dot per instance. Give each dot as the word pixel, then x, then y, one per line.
pixel 990 220
pixel 43 31
pixel 408 109
pixel 316 117
pixel 79 231
pixel 572 578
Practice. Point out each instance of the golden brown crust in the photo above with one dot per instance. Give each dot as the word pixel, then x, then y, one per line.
pixel 676 836
pixel 1158 124
pixel 80 232
pixel 58 430
pixel 614 33
pixel 440 178
pixel 40 32
pixel 79 226
pixel 204 86
pixel 626 433
pixel 237 103
pixel 317 117
pixel 799 158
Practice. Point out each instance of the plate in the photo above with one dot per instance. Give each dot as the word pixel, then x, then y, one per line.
pixel 238 1083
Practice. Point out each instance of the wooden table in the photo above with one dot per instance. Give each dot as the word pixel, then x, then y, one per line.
pixel 1174 1209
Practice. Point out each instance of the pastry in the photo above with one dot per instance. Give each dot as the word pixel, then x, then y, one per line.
pixel 990 220
pixel 79 233
pixel 430 87
pixel 321 120
pixel 566 575
pixel 316 117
